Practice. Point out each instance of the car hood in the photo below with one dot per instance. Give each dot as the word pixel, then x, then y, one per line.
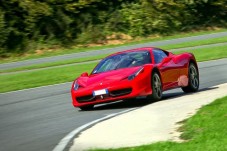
pixel 106 77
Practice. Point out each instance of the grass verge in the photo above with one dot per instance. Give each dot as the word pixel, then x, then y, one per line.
pixel 79 60
pixel 205 54
pixel 40 78
pixel 205 131
pixel 33 55
pixel 196 43
pixel 43 77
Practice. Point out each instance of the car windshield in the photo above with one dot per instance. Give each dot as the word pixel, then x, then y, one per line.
pixel 123 60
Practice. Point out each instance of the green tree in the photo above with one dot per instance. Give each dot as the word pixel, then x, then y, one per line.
pixel 27 24
pixel 206 12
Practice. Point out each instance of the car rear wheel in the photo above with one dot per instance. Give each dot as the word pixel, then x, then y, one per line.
pixel 156 88
pixel 193 79
pixel 87 107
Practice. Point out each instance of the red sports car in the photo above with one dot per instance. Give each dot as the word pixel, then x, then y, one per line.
pixel 134 73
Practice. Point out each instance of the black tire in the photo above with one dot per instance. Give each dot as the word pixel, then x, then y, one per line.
pixel 193 79
pixel 156 85
pixel 87 107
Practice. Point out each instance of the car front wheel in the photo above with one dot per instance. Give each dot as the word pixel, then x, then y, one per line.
pixel 156 88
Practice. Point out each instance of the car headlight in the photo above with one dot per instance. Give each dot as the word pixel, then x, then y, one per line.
pixel 76 86
pixel 132 76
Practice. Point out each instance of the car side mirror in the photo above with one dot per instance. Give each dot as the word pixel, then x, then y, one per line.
pixel 166 60
pixel 85 74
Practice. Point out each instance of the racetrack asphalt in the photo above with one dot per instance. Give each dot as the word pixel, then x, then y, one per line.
pixel 37 119
pixel 107 51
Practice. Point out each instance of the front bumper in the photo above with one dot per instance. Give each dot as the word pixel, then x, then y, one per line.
pixel 140 86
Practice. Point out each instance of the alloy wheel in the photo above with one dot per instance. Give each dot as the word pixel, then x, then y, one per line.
pixel 194 76
pixel 157 85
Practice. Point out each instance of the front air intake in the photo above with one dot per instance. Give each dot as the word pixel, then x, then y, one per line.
pixel 87 98
pixel 120 92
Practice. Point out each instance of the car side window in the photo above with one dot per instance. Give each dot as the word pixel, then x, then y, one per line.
pixel 159 55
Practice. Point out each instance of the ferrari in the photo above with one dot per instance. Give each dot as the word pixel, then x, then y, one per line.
pixel 142 72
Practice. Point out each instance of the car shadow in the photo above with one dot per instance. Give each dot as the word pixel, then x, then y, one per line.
pixel 181 93
pixel 133 103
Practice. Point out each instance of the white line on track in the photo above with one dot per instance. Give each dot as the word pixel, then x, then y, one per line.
pixel 64 142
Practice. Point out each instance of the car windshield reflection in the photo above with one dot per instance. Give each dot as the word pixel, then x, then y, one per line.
pixel 123 60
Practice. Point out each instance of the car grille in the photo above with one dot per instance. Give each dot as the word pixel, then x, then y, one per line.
pixel 115 93
pixel 121 92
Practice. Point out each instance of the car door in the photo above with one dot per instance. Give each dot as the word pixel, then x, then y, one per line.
pixel 168 69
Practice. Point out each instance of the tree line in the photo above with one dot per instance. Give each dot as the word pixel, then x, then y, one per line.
pixel 26 24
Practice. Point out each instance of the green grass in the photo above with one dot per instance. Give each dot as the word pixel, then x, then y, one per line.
pixel 205 54
pixel 41 78
pixel 196 43
pixel 19 81
pixel 205 131
pixel 81 49
pixel 57 63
